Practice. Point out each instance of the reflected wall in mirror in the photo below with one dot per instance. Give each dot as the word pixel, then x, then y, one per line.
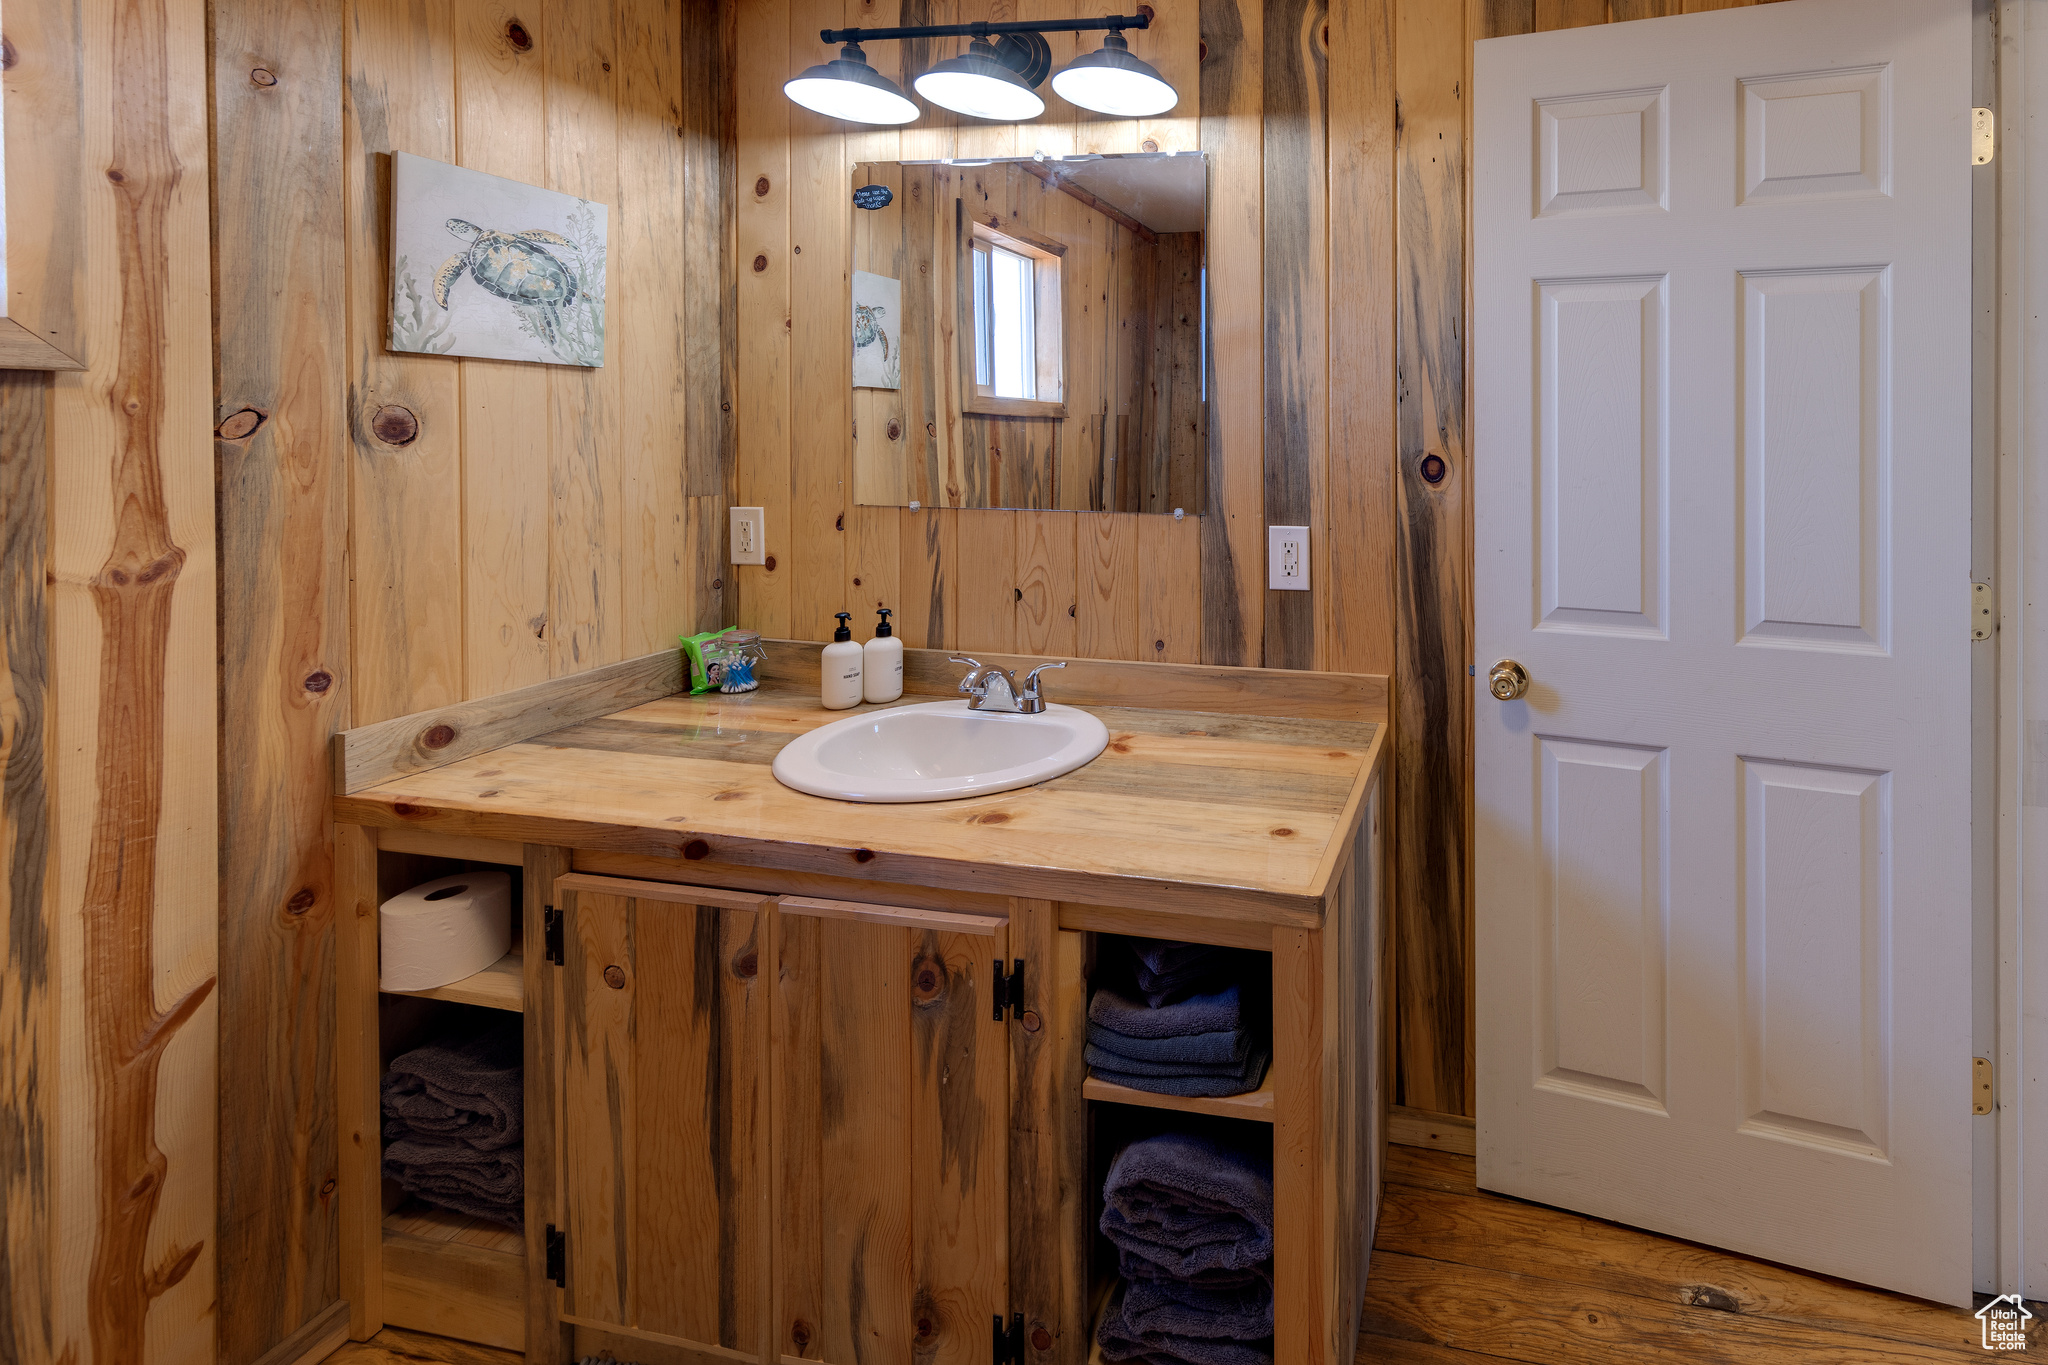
pixel 1049 334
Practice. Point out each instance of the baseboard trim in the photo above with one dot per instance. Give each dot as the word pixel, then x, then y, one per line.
pixel 313 1342
pixel 1438 1132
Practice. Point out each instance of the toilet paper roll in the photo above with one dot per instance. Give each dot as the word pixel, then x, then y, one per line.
pixel 442 931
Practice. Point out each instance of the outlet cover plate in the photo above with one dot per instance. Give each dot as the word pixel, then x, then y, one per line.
pixel 1287 558
pixel 749 536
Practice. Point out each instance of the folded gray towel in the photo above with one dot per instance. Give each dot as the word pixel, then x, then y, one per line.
pixel 1102 1057
pixel 1177 1308
pixel 1221 1012
pixel 473 1090
pixel 1122 1342
pixel 1206 1049
pixel 1138 1268
pixel 1189 1083
pixel 1188 1203
pixel 456 1175
pixel 1165 955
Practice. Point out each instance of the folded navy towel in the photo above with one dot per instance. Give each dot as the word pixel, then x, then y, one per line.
pixel 1188 1203
pixel 1136 1268
pixel 1188 1082
pixel 456 1175
pixel 1159 991
pixel 1204 1049
pixel 473 1090
pixel 1122 1342
pixel 1166 956
pixel 1221 1012
pixel 1177 1308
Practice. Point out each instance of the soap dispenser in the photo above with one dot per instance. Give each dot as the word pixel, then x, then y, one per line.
pixel 881 665
pixel 839 672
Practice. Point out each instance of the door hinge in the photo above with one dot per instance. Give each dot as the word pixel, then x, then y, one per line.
pixel 1008 990
pixel 558 1256
pixel 1983 611
pixel 1983 137
pixel 1009 1341
pixel 1983 1087
pixel 551 922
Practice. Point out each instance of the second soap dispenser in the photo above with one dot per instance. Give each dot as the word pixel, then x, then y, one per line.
pixel 881 665
pixel 839 671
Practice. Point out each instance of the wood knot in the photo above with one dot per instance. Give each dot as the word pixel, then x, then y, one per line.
pixel 927 982
pixel 168 565
pixel 696 850
pixel 856 582
pixel 1337 753
pixel 516 34
pixel 994 817
pixel 1202 52
pixel 615 977
pixel 717 584
pixel 301 901
pixel 1032 1024
pixel 1283 833
pixel 1159 645
pixel 769 564
pixel 263 77
pixel 1149 145
pixel 863 855
pixel 925 1328
pixel 894 430
pixel 319 681
pixel 327 1187
pixel 760 264
pixel 839 522
pixel 117 178
pixel 394 425
pixel 800 1334
pixel 1119 747
pixel 239 426
pixel 747 965
pixel 796 251
pixel 1707 1296
pixel 1433 469
pixel 7 55
pixel 761 187
pixel 406 810
pixel 437 737
pixel 1041 1340
pixel 732 794
pixel 487 794
pixel 931 429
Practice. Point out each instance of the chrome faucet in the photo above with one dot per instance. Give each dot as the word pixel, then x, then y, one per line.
pixel 995 689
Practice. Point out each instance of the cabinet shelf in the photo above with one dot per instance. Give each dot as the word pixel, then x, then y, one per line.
pixel 1256 1105
pixel 500 986
pixel 454 1276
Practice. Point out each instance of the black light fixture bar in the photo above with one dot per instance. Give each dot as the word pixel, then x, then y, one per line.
pixel 1115 23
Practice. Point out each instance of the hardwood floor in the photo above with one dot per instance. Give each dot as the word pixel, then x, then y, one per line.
pixel 1465 1278
pixel 1460 1277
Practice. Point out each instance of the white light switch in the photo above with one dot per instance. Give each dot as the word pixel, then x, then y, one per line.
pixel 749 536
pixel 1287 558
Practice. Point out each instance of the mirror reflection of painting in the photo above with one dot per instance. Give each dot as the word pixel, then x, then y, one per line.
pixel 877 351
pixel 485 266
pixel 1046 333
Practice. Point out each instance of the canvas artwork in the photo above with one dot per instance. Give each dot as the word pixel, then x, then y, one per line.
pixel 877 348
pixel 485 266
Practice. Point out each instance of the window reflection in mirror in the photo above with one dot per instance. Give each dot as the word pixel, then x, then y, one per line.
pixel 1045 328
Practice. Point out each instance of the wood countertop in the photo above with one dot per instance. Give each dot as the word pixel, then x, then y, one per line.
pixel 1225 815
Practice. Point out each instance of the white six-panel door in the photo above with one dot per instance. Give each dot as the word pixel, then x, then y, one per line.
pixel 1721 280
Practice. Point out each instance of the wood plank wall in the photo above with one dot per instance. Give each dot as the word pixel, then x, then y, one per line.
pixel 107 720
pixel 399 532
pixel 1339 141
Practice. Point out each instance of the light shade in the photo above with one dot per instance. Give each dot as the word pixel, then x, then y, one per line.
pixel 977 84
pixel 848 88
pixel 1111 81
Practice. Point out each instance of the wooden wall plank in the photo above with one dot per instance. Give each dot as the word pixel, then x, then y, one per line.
pixel 1106 621
pixel 876 567
pixel 1433 717
pixel 930 568
pixel 544 1051
pixel 601 1090
pixel 28 1000
pixel 1233 559
pixel 281 452
pixel 1554 14
pixel 987 574
pixel 709 304
pixel 500 129
pixel 358 1113
pixel 1355 567
pixel 1620 11
pixel 585 456
pixel 1047 612
pixel 405 477
pixel 763 123
pixel 1295 171
pixel 1170 590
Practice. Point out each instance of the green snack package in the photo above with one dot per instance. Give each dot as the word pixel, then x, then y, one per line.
pixel 693 651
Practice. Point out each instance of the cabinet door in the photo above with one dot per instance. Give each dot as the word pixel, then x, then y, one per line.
pixel 664 1126
pixel 891 1125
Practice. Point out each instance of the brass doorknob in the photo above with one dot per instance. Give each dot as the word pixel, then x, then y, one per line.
pixel 1507 680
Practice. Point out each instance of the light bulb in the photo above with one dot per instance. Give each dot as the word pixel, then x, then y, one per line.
pixel 1111 81
pixel 848 88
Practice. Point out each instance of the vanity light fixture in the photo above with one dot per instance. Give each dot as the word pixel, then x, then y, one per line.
pixel 848 88
pixel 997 78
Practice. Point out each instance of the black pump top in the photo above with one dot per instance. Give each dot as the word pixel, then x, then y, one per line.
pixel 845 632
pixel 883 628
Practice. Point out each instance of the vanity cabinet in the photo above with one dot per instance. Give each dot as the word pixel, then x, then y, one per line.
pixel 864 1206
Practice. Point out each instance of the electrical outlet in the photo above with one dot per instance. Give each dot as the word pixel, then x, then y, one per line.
pixel 1287 558
pixel 749 536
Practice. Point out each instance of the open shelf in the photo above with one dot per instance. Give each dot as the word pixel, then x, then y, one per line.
pixel 454 1275
pixel 1256 1105
pixel 417 1218
pixel 500 986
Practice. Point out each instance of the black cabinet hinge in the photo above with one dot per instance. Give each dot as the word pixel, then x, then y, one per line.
pixel 1009 1342
pixel 1008 990
pixel 551 922
pixel 558 1256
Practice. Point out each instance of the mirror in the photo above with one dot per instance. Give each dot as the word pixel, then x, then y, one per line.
pixel 1031 334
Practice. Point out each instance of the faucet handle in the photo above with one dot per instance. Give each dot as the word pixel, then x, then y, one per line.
pixel 967 684
pixel 1031 678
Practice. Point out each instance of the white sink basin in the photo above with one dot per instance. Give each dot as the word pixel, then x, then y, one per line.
pixel 937 751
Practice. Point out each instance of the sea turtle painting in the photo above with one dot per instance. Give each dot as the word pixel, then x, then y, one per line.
pixel 867 327
pixel 877 344
pixel 516 266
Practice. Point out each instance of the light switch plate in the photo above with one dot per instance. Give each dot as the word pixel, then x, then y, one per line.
pixel 1287 558
pixel 749 536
